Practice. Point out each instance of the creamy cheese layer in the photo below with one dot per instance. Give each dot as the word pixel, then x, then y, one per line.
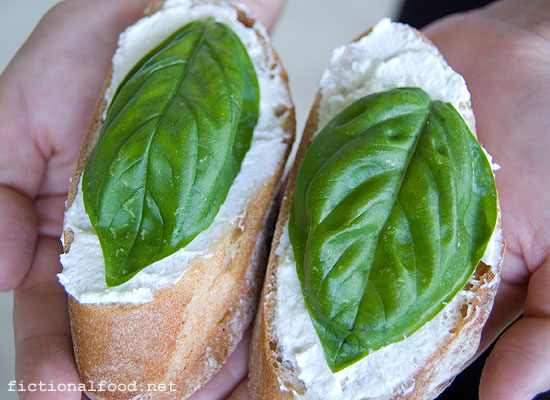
pixel 390 56
pixel 83 272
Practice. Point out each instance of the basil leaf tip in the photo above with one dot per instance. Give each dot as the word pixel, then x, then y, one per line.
pixel 395 203
pixel 171 145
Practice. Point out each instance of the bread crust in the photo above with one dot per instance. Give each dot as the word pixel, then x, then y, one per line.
pixel 272 377
pixel 183 337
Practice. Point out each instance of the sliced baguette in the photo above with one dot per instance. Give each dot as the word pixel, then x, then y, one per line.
pixel 171 346
pixel 284 365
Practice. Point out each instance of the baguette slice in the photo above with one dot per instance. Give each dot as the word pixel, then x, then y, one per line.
pixel 169 345
pixel 287 359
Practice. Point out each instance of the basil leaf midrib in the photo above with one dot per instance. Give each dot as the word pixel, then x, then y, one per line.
pixel 172 143
pixel 385 226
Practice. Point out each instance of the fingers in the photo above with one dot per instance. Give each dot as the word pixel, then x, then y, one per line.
pixel 537 303
pixel 49 89
pixel 45 369
pixel 232 373
pixel 519 365
pixel 507 308
pixel 267 11
pixel 17 237
pixel 44 362
pixel 49 211
pixel 241 392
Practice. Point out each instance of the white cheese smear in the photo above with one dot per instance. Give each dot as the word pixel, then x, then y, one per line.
pixel 390 56
pixel 83 272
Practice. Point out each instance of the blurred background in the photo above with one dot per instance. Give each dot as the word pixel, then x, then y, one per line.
pixel 304 37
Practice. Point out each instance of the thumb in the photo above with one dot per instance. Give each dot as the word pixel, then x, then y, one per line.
pixel 519 365
pixel 267 11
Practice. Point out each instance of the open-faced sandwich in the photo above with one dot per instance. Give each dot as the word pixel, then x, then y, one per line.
pixel 386 255
pixel 167 216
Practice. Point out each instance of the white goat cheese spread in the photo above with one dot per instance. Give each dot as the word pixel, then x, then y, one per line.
pixel 390 56
pixel 83 272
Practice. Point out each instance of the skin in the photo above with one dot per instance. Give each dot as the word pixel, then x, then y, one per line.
pixel 503 52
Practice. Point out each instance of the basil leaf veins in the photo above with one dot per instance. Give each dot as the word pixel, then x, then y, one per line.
pixel 395 203
pixel 172 143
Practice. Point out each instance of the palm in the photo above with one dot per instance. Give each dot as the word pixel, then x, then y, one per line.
pixel 508 107
pixel 58 75
pixel 506 68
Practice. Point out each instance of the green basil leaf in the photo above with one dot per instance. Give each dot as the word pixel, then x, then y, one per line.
pixel 172 143
pixel 395 203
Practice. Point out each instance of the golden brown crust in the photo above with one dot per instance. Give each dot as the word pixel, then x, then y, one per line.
pixel 185 335
pixel 270 372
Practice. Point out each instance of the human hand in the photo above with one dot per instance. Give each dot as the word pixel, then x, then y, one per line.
pixel 47 94
pixel 503 51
